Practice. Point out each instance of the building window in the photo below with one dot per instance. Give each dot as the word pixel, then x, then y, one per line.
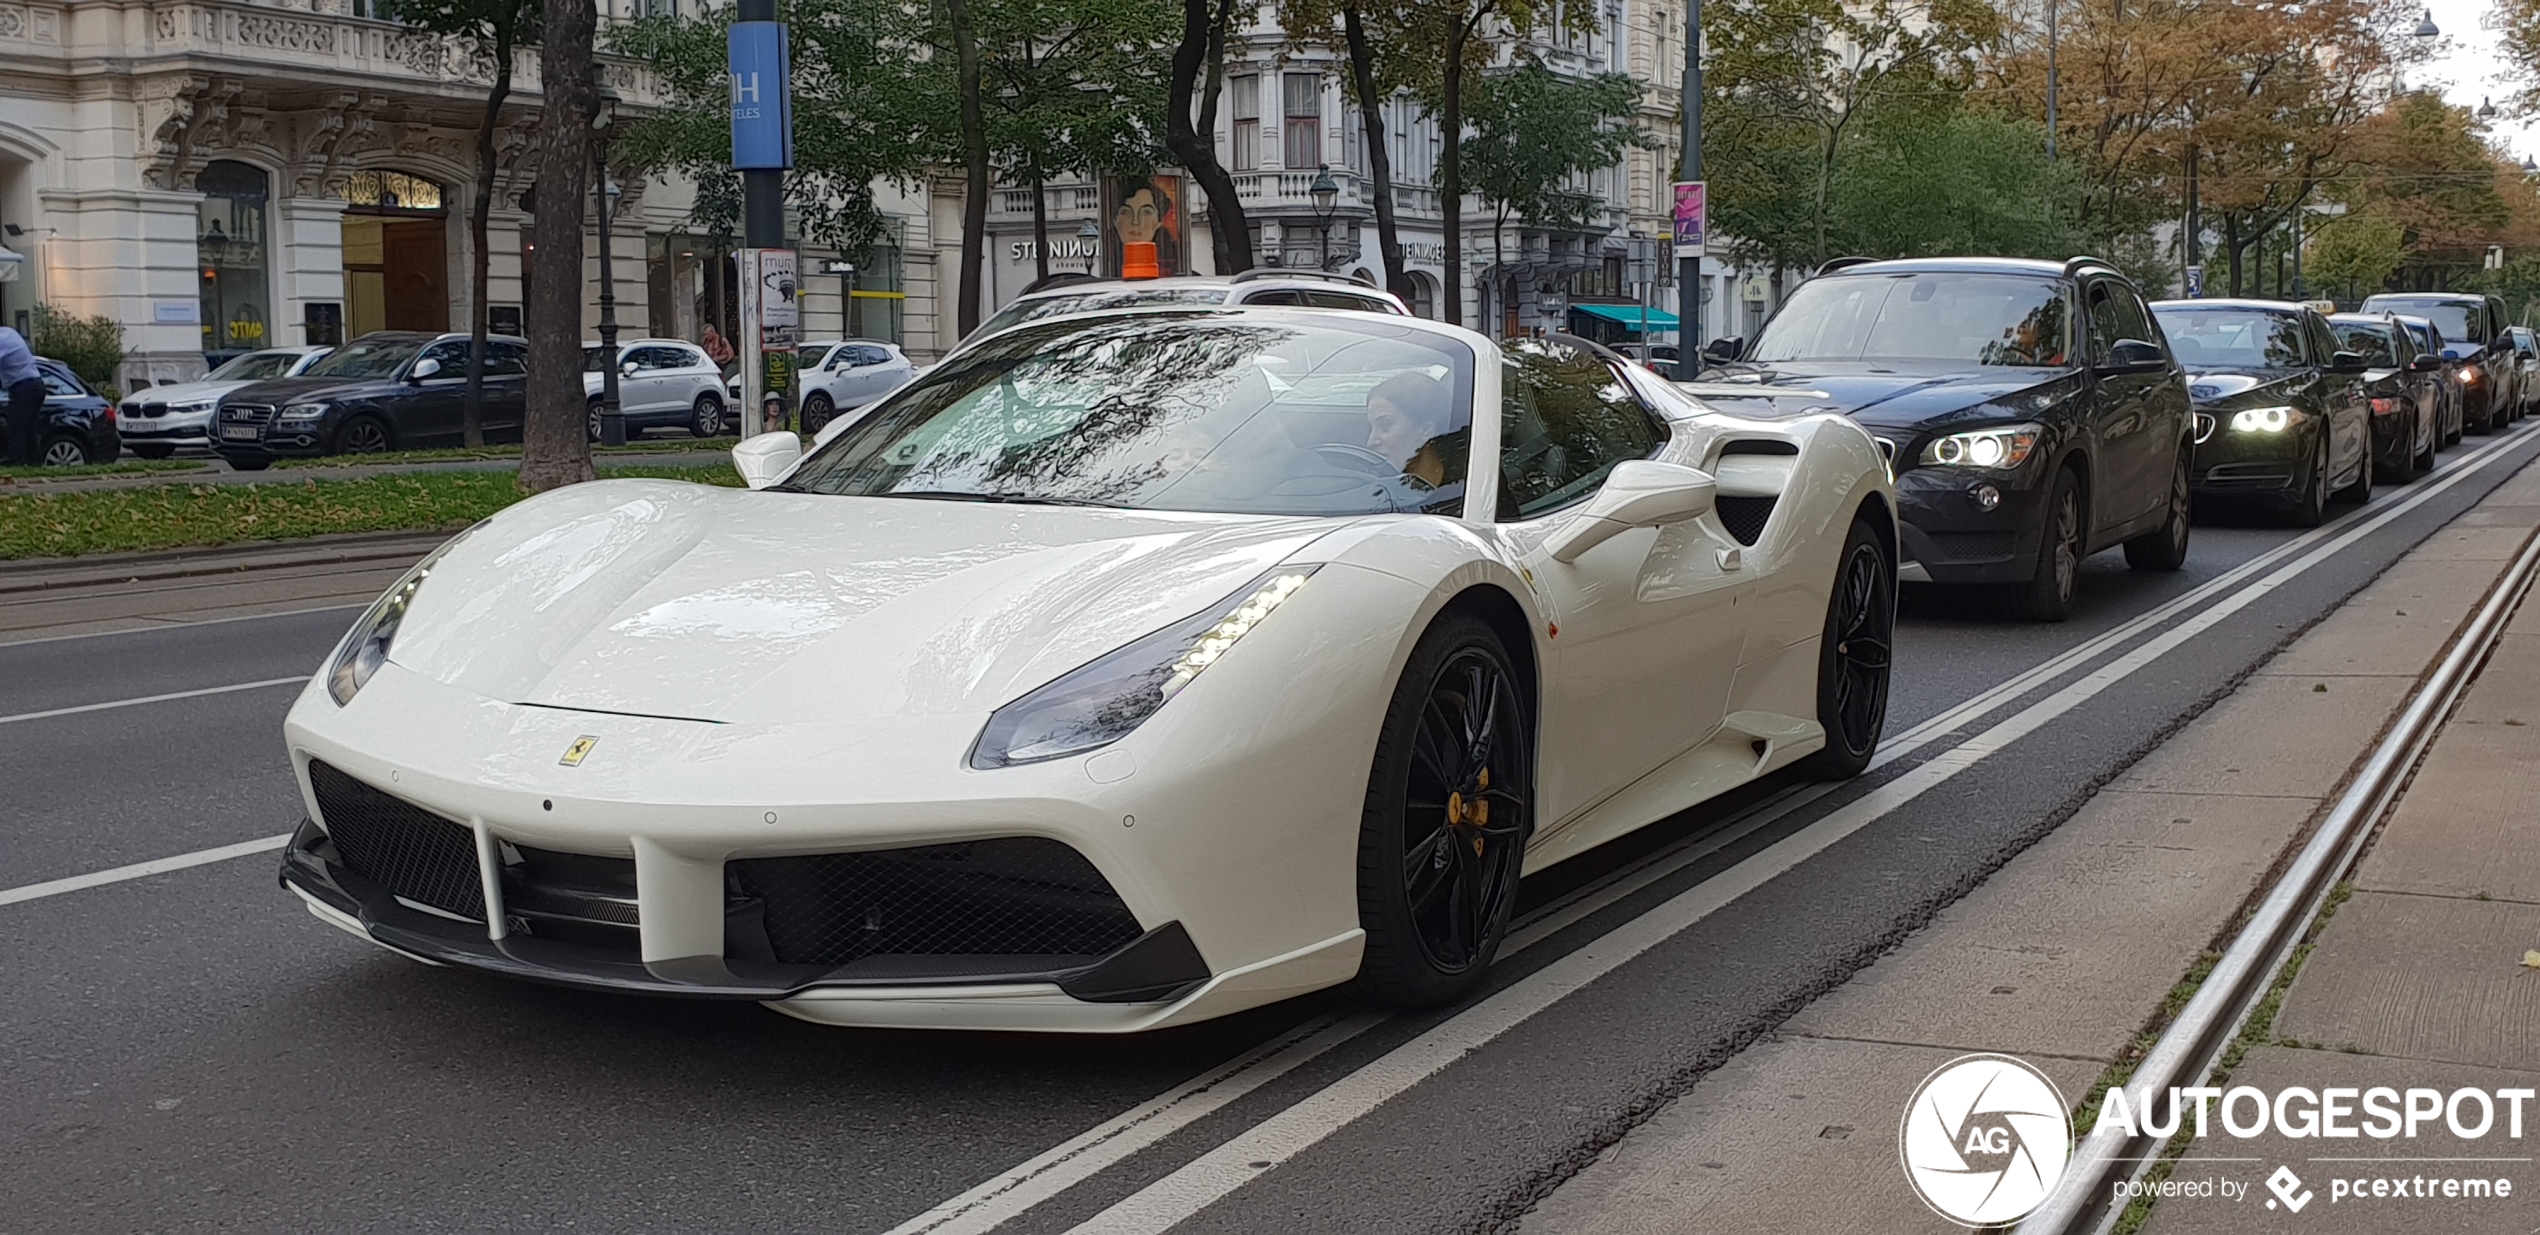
pixel 1352 130
pixel 1247 108
pixel 1301 98
pixel 229 243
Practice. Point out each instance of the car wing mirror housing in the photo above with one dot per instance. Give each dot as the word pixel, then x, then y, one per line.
pixel 2347 362
pixel 2426 362
pixel 425 368
pixel 1637 493
pixel 2133 355
pixel 763 460
pixel 1723 351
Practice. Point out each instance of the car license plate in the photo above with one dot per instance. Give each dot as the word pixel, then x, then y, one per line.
pixel 238 433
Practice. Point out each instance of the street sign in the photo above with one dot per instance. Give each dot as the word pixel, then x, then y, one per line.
pixel 1692 217
pixel 762 95
pixel 2195 282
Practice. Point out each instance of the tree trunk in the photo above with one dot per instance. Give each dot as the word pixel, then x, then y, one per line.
pixel 1201 45
pixel 1362 69
pixel 555 438
pixel 1040 226
pixel 2231 244
pixel 974 165
pixel 1451 167
pixel 472 411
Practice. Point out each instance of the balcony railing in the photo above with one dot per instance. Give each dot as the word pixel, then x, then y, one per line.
pixel 302 39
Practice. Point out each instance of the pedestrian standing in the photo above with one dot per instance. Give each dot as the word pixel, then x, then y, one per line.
pixel 25 386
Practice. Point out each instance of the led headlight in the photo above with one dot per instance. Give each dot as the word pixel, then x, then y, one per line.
pixel 2265 419
pixel 304 411
pixel 195 408
pixel 1103 701
pixel 2006 447
pixel 366 649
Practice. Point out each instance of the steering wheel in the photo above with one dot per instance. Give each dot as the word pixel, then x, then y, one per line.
pixel 1358 458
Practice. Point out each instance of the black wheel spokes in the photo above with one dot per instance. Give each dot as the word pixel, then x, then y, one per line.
pixel 1465 812
pixel 1863 651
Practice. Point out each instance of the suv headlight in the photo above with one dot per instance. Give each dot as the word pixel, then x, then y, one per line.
pixel 1104 700
pixel 2006 447
pixel 366 649
pixel 2265 419
pixel 303 412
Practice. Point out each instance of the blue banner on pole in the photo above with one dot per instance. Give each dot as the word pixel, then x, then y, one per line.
pixel 762 96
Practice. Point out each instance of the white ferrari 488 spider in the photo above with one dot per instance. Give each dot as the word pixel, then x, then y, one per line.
pixel 1127 670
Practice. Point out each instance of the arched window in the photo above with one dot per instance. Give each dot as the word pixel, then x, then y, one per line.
pixel 229 245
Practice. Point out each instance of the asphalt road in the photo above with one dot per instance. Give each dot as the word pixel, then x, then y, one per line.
pixel 192 1050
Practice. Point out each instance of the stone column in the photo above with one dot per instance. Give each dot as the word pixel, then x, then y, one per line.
pixel 309 260
pixel 129 254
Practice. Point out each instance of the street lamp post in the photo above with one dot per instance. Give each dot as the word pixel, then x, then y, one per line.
pixel 612 413
pixel 1689 263
pixel 1089 238
pixel 1327 195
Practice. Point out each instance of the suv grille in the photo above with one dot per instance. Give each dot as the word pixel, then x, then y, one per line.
pixel 400 846
pixel 246 413
pixel 1017 896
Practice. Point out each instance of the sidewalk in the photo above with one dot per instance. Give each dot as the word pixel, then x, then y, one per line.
pixel 2063 956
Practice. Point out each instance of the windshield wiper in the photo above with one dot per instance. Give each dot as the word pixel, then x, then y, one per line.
pixel 998 499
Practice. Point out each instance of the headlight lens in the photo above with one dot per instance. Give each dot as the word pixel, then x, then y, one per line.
pixel 304 411
pixel 1105 700
pixel 2005 447
pixel 2265 419
pixel 190 409
pixel 366 649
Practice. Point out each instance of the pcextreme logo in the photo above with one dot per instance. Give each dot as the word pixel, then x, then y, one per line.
pixel 1984 1138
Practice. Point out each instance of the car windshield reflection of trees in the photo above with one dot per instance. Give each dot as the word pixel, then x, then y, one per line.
pixel 360 359
pixel 1249 414
pixel 1958 319
pixel 2233 338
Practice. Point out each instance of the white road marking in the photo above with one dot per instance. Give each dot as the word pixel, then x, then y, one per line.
pixel 143 870
pixel 1217 1173
pixel 172 695
pixel 157 625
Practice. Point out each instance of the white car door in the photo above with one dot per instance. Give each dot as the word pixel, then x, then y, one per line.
pixel 1648 629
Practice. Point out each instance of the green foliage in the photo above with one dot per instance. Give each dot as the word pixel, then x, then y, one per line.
pixel 482 22
pixel 1074 85
pixel 91 346
pixel 1966 184
pixel 2354 254
pixel 1534 130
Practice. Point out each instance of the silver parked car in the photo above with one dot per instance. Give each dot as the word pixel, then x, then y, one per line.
pixel 849 374
pixel 660 383
pixel 161 420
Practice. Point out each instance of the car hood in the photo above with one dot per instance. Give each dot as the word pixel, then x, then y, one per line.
pixel 283 390
pixel 2211 388
pixel 185 392
pixel 1890 399
pixel 662 598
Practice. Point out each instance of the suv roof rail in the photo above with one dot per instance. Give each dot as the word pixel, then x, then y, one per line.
pixel 2076 265
pixel 1063 278
pixel 1281 272
pixel 1832 264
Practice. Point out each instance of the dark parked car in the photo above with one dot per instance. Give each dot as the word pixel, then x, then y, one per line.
pixel 2404 387
pixel 2030 409
pixel 2455 393
pixel 79 423
pixel 385 391
pixel 2527 350
pixel 2473 328
pixel 2280 411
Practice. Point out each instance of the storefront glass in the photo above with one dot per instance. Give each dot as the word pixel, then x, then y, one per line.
pixel 229 245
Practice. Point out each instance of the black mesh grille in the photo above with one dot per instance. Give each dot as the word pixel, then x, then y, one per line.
pixel 1012 896
pixel 1745 516
pixel 402 847
pixel 1962 546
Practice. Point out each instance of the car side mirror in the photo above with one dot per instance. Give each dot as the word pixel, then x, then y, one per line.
pixel 629 368
pixel 764 459
pixel 2426 362
pixel 1723 351
pixel 424 368
pixel 2347 362
pixel 2132 356
pixel 1637 493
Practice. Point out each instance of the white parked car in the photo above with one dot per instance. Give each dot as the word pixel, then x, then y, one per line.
pixel 661 382
pixel 849 374
pixel 161 420
pixel 1134 669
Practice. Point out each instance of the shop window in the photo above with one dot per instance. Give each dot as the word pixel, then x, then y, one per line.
pixel 229 247
pixel 1245 100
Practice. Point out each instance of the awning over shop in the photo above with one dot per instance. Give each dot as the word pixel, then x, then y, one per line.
pixel 1629 316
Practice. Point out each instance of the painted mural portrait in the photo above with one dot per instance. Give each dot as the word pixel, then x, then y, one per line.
pixel 1146 227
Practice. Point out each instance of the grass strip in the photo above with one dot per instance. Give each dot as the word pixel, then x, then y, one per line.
pixel 178 515
pixel 461 453
pixel 126 467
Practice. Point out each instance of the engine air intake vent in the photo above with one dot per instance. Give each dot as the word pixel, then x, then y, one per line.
pixel 1745 516
pixel 400 846
pixel 1013 896
pixel 1758 446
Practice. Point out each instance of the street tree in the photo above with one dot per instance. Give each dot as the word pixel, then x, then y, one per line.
pixel 555 442
pixel 491 30
pixel 1374 74
pixel 1535 134
pixel 1073 86
pixel 2355 253
pixel 1192 92
pixel 1926 185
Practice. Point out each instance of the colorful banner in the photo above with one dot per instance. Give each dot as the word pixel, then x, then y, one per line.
pixel 1691 217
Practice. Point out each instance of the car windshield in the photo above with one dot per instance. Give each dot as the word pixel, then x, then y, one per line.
pixel 1094 301
pixel 2426 339
pixel 2452 317
pixel 1257 413
pixel 367 358
pixel 1954 318
pixel 2232 338
pixel 254 367
pixel 2366 341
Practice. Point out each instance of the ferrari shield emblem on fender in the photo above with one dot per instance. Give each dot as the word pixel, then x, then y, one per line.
pixel 574 754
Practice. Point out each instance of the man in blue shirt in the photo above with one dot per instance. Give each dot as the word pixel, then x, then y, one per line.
pixel 25 387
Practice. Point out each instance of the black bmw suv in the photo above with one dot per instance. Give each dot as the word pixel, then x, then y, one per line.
pixel 389 390
pixel 2031 411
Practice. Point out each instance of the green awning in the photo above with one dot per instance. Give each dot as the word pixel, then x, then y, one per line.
pixel 1630 315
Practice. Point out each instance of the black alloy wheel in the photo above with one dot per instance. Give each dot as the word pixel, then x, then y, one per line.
pixel 2359 491
pixel 362 435
pixel 2433 441
pixel 2165 547
pixel 2404 468
pixel 1854 660
pixel 2310 502
pixel 706 419
pixel 817 409
pixel 1450 804
pixel 2048 595
pixel 597 405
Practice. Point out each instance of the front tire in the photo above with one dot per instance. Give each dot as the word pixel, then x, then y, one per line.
pixel 817 409
pixel 1450 803
pixel 364 435
pixel 706 418
pixel 2164 548
pixel 65 452
pixel 2360 490
pixel 1854 657
pixel 2310 506
pixel 2433 444
pixel 2048 595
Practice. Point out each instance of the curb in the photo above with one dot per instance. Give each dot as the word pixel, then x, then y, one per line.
pixel 28 574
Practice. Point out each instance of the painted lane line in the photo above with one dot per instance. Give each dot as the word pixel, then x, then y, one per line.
pixel 143 870
pixel 6 643
pixel 1211 1177
pixel 1013 1192
pixel 297 680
